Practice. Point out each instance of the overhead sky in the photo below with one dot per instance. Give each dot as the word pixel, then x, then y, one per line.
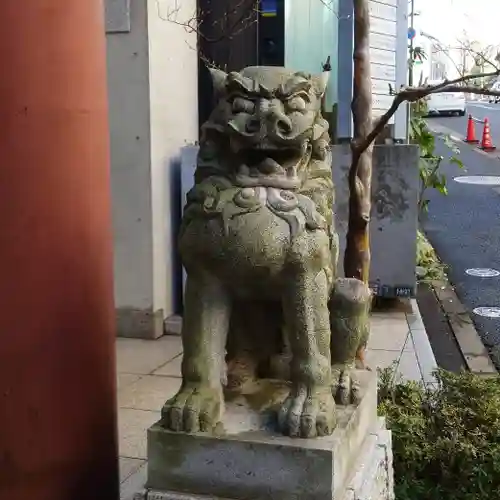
pixel 447 20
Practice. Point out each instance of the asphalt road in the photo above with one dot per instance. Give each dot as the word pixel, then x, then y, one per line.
pixel 464 226
pixel 457 125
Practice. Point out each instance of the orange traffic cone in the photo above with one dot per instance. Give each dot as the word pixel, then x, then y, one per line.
pixel 486 144
pixel 471 132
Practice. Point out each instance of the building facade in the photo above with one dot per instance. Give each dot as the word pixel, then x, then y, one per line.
pixel 160 92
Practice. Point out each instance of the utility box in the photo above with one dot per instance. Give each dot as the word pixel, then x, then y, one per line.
pixel 393 228
pixel 394 216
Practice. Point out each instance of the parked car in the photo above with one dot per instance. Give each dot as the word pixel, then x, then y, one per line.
pixel 495 99
pixel 442 103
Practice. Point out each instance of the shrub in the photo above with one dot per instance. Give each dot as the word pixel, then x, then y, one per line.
pixel 446 441
pixel 428 263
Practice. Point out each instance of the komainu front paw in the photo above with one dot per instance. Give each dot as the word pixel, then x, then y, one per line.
pixel 307 413
pixel 346 387
pixel 194 408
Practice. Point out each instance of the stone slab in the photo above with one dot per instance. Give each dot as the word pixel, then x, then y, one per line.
pixel 393 226
pixel 142 357
pixel 371 477
pixel 374 476
pixel 251 461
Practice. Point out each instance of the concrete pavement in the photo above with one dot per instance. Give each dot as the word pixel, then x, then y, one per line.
pixel 149 374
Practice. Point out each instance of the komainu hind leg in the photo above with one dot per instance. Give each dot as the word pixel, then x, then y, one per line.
pixel 198 405
pixel 350 306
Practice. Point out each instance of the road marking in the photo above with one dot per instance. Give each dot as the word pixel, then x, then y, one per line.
pixel 492 107
pixel 480 272
pixel 480 180
pixel 487 312
pixel 443 130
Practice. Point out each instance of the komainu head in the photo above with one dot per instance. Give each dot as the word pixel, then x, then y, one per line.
pixel 267 125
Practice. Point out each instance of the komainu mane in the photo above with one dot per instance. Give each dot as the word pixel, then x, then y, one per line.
pixel 260 249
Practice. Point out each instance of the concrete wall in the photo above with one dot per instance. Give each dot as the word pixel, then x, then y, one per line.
pixel 152 80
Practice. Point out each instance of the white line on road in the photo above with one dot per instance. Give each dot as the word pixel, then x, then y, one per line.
pixel 443 130
pixel 484 106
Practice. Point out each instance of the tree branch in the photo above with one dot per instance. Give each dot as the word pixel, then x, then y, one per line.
pixel 412 94
pixel 246 11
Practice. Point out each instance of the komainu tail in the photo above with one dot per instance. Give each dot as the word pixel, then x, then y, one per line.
pixel 350 306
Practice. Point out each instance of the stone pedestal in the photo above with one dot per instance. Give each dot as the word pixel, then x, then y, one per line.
pixel 249 461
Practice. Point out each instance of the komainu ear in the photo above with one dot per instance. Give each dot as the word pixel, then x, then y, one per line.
pixel 320 82
pixel 218 80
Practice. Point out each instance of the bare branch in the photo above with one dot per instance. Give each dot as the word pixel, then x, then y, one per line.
pixel 413 94
pixel 380 124
pixel 467 90
pixel 329 4
pixel 480 55
pixel 464 78
pixel 244 10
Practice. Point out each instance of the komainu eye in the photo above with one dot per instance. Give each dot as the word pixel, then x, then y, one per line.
pixel 241 105
pixel 296 103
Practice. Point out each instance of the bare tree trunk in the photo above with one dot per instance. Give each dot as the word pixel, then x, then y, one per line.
pixel 357 253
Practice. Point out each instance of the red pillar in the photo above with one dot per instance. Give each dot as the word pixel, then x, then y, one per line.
pixel 57 380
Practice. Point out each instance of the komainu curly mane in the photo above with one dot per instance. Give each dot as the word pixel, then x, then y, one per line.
pixel 272 119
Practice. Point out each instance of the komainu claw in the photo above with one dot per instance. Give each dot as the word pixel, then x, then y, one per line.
pixel 307 413
pixel 346 387
pixel 193 409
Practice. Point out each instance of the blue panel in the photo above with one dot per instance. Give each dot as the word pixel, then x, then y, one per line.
pixel 268 8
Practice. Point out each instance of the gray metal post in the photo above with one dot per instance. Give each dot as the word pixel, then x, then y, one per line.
pixel 345 68
pixel 401 117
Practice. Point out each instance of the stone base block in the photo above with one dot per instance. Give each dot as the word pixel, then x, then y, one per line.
pixel 173 325
pixel 139 323
pixel 249 461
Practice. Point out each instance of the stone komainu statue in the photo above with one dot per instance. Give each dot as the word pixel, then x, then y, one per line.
pixel 260 249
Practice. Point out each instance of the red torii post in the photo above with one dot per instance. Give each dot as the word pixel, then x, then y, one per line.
pixel 57 355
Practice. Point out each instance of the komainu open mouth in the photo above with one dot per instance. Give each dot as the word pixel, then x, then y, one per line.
pixel 283 157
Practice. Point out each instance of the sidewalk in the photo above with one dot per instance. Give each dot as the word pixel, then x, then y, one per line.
pixel 149 373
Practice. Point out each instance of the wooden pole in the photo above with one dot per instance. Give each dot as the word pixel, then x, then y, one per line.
pixel 58 437
pixel 357 253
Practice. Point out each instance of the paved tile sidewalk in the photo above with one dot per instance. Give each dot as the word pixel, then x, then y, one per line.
pixel 149 373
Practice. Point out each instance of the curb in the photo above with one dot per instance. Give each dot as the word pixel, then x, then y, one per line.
pixel 423 350
pixel 470 344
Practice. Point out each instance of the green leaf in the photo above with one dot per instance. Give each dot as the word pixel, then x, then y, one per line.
pixel 430 162
pixel 456 161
